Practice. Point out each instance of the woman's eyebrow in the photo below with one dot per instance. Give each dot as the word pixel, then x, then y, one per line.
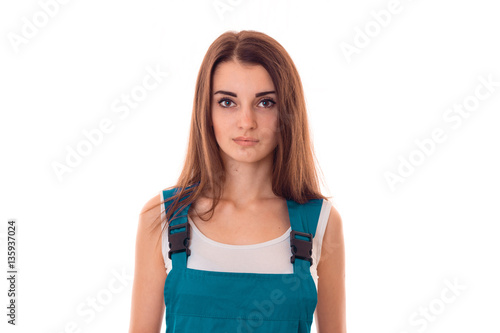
pixel 234 95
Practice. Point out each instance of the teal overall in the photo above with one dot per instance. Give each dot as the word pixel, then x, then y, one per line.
pixel 211 301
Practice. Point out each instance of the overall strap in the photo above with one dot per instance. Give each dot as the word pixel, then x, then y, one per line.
pixel 178 232
pixel 304 221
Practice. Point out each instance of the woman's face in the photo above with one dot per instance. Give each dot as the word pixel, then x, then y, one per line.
pixel 244 105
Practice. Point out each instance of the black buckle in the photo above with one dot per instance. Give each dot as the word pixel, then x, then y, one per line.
pixel 178 241
pixel 301 249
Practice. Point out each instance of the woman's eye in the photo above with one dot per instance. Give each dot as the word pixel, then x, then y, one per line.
pixel 225 102
pixel 269 102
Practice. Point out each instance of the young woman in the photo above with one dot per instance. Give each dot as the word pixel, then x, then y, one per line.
pixel 248 242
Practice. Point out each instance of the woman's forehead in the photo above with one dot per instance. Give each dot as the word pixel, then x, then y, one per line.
pixel 242 77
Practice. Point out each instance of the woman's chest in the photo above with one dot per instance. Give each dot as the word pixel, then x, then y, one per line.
pixel 244 227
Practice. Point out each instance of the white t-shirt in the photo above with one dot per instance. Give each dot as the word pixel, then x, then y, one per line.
pixel 272 256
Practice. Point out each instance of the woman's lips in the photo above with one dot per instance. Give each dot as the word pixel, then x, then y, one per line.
pixel 245 138
pixel 246 142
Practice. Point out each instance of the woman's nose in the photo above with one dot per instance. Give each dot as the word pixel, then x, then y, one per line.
pixel 247 117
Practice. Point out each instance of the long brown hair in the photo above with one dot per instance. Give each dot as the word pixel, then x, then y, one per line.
pixel 294 174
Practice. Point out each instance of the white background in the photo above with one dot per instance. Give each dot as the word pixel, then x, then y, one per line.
pixel 366 111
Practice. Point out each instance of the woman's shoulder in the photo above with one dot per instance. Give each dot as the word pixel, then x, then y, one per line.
pixel 150 212
pixel 148 233
pixel 152 202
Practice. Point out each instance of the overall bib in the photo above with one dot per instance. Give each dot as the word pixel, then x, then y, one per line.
pixel 217 302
